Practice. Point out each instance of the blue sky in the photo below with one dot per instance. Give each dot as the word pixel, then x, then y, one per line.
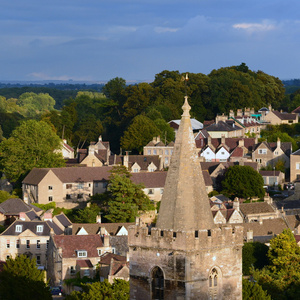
pixel 95 40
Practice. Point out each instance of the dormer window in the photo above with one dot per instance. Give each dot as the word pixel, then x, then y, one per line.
pixel 262 151
pixel 18 228
pixel 135 170
pixel 81 253
pixel 50 187
pixel 39 228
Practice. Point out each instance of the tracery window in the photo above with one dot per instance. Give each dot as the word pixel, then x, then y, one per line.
pixel 213 282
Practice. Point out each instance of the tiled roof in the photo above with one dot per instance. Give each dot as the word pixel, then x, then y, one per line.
pixel 256 208
pixel 66 175
pixel 150 179
pixel 207 179
pixel 84 263
pixel 296 110
pixel 72 243
pixel 222 126
pixel 106 258
pixel 14 206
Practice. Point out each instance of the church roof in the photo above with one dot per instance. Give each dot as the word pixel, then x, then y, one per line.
pixel 185 204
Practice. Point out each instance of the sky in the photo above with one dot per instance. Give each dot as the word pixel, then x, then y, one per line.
pixel 95 40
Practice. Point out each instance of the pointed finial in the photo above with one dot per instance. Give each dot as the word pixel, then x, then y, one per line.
pixel 186 108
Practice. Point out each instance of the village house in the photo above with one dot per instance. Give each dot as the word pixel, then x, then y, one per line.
pixel 275 117
pixel 72 254
pixel 30 237
pixel 272 177
pixel 295 166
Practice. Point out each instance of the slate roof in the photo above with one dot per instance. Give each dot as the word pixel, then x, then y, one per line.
pixel 66 175
pixel 269 173
pixel 256 208
pixel 296 152
pixel 296 110
pixel 63 219
pixel 284 115
pixel 93 228
pixel 32 226
pixel 150 179
pixel 222 126
pixel 14 206
pixel 71 243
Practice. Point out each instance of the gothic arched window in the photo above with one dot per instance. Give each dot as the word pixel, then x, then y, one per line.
pixel 157 284
pixel 213 282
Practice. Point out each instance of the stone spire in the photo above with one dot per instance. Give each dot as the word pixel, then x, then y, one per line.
pixel 185 204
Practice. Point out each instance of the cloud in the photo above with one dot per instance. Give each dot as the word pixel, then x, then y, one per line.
pixel 255 27
pixel 165 29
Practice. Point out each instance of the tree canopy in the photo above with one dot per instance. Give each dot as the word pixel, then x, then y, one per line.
pixel 119 290
pixel 32 144
pixel 20 279
pixel 243 181
pixel 126 198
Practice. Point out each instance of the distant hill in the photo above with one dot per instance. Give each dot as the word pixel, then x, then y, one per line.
pixel 291 85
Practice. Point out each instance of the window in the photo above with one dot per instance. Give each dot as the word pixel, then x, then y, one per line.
pixel 38 244
pixel 113 250
pixel 7 257
pixel 80 185
pixel 99 252
pixel 79 196
pixel 27 244
pixel 161 191
pixel 47 244
pixel 18 228
pixel 69 186
pixel 157 283
pixel 7 243
pixel 262 151
pixel 89 185
pixel 68 196
pixel 50 198
pixel 150 192
pixel 38 259
pixel 18 244
pixel 166 152
pixel 276 153
pixel 39 228
pixel 149 152
pixel 258 160
pixel 297 166
pixel 86 273
pixel 166 160
pixel 154 151
pixel 213 284
pixel 81 253
pixel 222 152
pixel 72 270
pixel 135 170
pixel 104 185
pixel 96 184
pixel 50 187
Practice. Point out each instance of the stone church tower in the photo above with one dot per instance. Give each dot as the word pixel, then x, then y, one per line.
pixel 186 256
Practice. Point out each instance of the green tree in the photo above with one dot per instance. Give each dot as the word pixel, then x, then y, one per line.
pixel 20 279
pixel 32 144
pixel 243 181
pixel 126 198
pixel 167 133
pixel 87 215
pixel 254 255
pixel 139 133
pixel 119 290
pixel 281 278
pixel 5 196
pixel 253 291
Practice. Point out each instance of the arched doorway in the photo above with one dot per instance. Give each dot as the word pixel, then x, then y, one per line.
pixel 157 284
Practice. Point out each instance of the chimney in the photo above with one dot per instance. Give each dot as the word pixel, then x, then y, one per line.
pixel 249 235
pixel 231 113
pixel 22 216
pixel 158 139
pixel 47 216
pixel 100 138
pixel 98 218
pixel 236 203
pixel 241 143
pixel 106 241
pixel 137 221
pixel 209 140
pixel 278 143
pixel 64 141
pixel 126 160
pixel 88 204
pixel 92 149
pixel 223 139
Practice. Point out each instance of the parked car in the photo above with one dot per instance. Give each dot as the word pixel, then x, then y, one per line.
pixel 56 290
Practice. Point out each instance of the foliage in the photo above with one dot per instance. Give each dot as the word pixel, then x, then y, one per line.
pixel 45 207
pixel 281 278
pixel 119 290
pixel 253 291
pixel 126 198
pixel 87 215
pixel 5 196
pixel 32 144
pixel 243 181
pixel 167 133
pixel 254 255
pixel 139 133
pixel 20 279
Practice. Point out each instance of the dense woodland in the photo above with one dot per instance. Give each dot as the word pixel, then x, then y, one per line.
pixel 130 115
